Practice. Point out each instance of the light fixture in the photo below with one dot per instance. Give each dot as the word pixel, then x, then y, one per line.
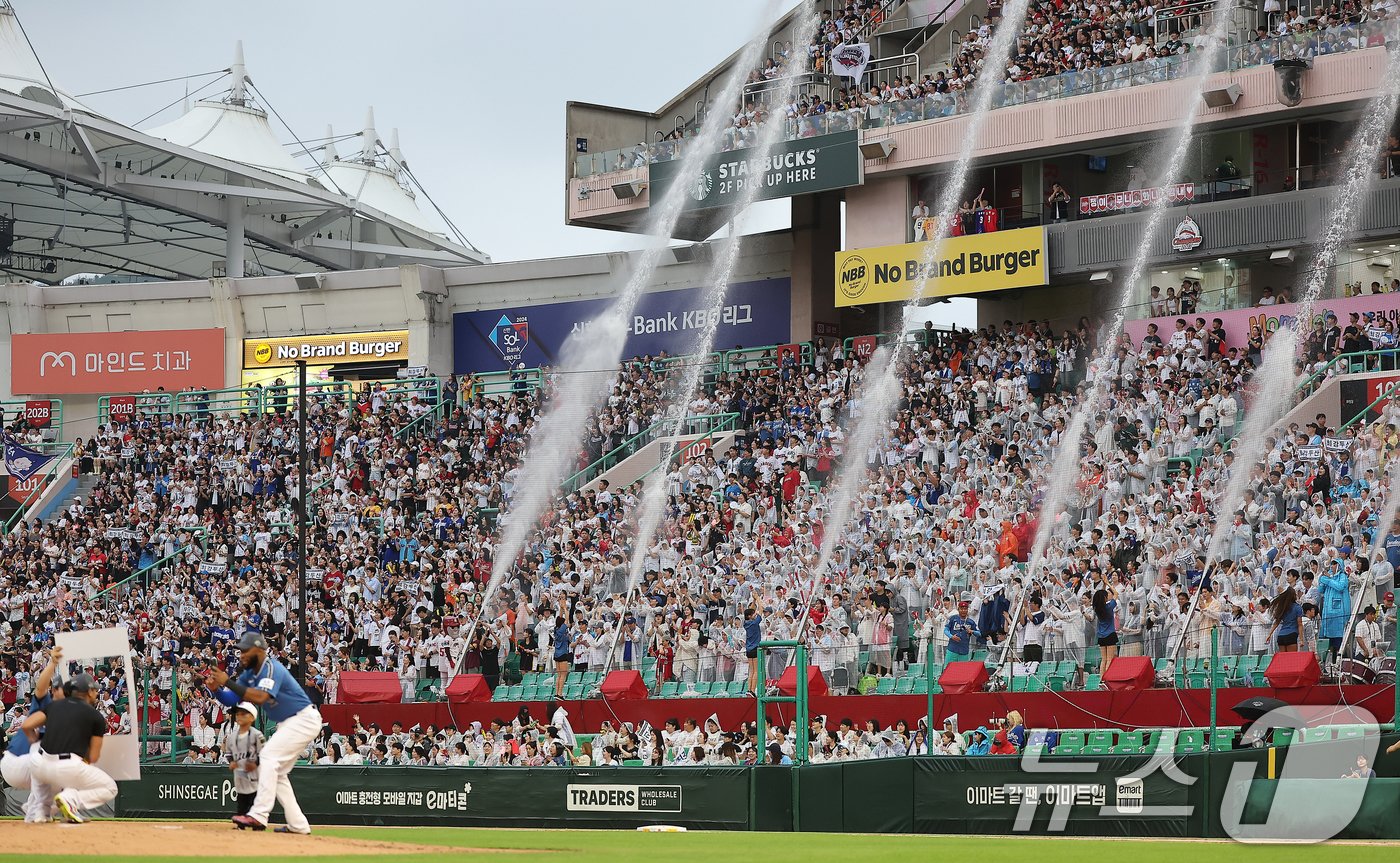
pixel 1165 273
pixel 1102 277
pixel 692 252
pixel 1392 246
pixel 878 149
pixel 309 281
pixel 1222 97
pixel 630 189
pixel 1282 257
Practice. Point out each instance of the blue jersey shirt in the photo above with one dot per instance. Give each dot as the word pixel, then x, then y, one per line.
pixel 753 632
pixel 19 743
pixel 288 698
pixel 966 630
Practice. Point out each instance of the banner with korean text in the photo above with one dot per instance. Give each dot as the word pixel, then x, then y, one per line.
pixel 61 363
pixel 754 314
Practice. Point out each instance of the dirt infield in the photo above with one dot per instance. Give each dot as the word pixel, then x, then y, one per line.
pixel 185 839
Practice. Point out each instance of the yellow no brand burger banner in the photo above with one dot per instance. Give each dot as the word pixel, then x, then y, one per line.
pixel 965 265
pixel 336 348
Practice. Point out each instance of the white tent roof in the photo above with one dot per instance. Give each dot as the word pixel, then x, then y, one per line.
pixel 377 187
pixel 240 133
pixel 92 195
pixel 372 178
pixel 21 73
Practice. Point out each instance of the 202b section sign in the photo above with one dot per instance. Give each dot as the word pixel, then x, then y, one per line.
pixel 754 314
pixel 799 167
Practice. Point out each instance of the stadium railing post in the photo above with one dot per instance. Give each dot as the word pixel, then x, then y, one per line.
pixel 762 699
pixel 803 748
pixel 174 715
pixel 143 709
pixel 1209 755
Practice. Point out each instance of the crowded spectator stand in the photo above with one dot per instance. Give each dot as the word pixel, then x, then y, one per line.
pixel 187 539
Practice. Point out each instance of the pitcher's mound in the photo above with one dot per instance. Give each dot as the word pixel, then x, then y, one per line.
pixel 186 839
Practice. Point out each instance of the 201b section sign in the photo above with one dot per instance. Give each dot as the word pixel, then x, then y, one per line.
pixel 754 314
pixel 799 167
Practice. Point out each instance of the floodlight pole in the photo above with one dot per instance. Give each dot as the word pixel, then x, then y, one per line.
pixel 303 513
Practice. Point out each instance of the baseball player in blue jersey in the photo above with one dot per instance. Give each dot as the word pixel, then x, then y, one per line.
pixel 267 683
pixel 17 764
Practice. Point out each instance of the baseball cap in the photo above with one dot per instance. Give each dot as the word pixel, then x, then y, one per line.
pixel 251 640
pixel 1390 596
pixel 79 683
pixel 248 707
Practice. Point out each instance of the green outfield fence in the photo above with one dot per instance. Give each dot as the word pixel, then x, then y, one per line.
pixel 1108 796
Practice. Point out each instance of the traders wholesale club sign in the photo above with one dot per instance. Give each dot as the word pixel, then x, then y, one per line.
pixel 964 265
pixel 798 167
pixel 87 363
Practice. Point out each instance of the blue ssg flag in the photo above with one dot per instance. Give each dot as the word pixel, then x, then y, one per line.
pixel 22 462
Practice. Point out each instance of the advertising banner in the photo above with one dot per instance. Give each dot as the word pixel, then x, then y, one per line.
pixel 1128 796
pixel 715 798
pixel 1116 202
pixel 1237 322
pixel 755 314
pixel 798 167
pixel 970 264
pixel 377 347
pixel 116 362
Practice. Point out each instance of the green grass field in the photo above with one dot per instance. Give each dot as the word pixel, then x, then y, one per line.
pixel 599 846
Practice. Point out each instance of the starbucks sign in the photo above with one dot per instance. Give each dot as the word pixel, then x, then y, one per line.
pixel 798 167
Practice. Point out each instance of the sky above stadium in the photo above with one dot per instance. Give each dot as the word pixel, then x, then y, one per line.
pixel 476 94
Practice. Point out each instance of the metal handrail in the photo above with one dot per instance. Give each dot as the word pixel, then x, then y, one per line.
pixel 1351 360
pixel 885 64
pixel 48 475
pixel 632 445
pixel 141 573
pixel 727 424
pixel 55 413
pixel 531 379
pixel 881 339
pixel 935 21
pixel 1385 396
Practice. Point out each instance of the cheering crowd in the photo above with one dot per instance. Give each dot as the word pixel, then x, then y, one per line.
pixel 187 534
